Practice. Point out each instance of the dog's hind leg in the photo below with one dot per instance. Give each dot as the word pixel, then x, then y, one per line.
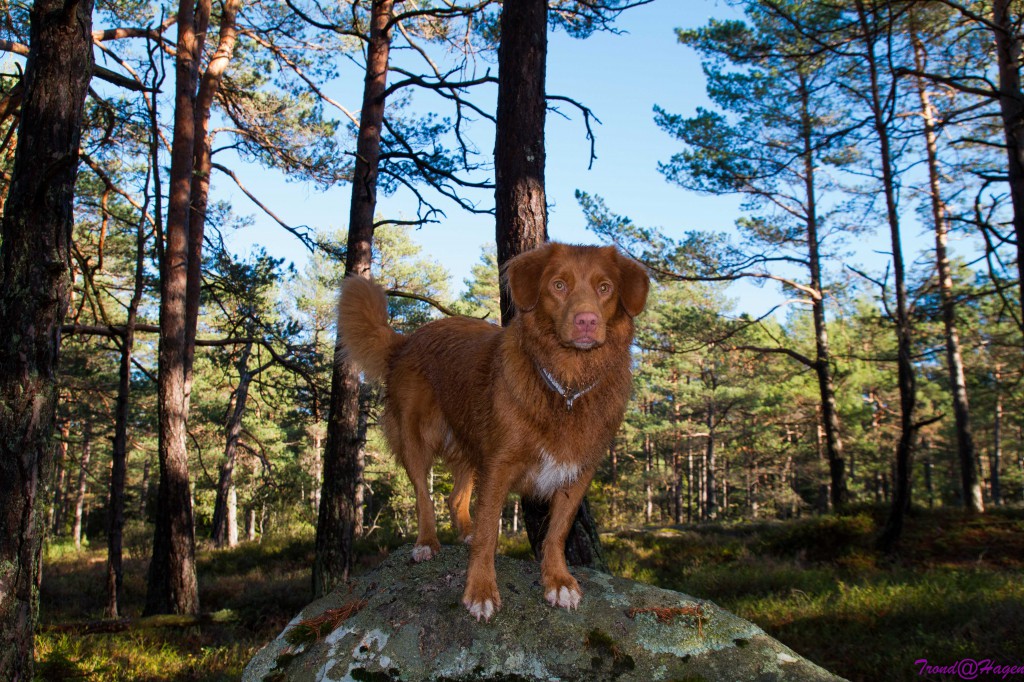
pixel 415 445
pixel 458 502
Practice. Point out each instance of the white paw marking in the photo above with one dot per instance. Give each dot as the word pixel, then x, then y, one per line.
pixel 422 553
pixel 468 539
pixel 481 609
pixel 567 598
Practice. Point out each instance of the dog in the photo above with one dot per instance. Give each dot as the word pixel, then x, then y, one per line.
pixel 529 408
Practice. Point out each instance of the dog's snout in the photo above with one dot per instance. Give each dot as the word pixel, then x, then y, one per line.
pixel 585 322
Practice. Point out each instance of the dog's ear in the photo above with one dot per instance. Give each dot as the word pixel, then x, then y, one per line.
pixel 523 277
pixel 634 285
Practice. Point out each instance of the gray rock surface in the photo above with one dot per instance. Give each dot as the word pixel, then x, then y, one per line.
pixel 405 621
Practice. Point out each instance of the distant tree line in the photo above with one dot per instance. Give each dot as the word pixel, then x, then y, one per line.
pixel 831 120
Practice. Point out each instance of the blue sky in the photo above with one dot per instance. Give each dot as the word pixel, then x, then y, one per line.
pixel 620 77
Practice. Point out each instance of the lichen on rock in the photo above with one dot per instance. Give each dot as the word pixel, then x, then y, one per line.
pixel 405 621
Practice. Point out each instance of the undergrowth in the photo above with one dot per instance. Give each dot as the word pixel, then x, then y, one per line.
pixel 954 591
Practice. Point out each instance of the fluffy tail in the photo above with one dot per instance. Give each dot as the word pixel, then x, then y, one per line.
pixel 363 331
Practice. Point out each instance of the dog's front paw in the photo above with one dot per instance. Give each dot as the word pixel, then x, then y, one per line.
pixel 425 552
pixel 563 592
pixel 482 600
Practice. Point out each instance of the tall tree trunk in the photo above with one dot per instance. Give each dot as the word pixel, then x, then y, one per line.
pixel 613 496
pixel 317 464
pixel 144 488
pixel 233 516
pixel 710 504
pixel 119 454
pixel 648 478
pixel 929 486
pixel 905 369
pixel 1011 108
pixel 520 202
pixel 997 439
pixel 520 205
pixel 172 586
pixel 83 480
pixel 823 358
pixel 677 487
pixel 250 524
pixel 343 466
pixel 172 582
pixel 202 151
pixel 232 432
pixel 954 359
pixel 35 285
pixel 59 501
pixel 689 485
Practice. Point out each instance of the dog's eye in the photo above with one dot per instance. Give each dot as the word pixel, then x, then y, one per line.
pixel 604 288
pixel 559 285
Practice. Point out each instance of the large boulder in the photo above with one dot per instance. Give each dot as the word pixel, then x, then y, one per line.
pixel 405 621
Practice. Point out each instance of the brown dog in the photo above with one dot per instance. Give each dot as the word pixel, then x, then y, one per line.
pixel 530 408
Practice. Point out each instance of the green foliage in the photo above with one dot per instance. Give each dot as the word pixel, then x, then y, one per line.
pixel 481 296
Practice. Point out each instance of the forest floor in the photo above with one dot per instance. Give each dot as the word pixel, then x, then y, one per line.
pixel 954 592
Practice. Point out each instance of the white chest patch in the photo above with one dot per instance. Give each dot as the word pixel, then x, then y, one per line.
pixel 551 475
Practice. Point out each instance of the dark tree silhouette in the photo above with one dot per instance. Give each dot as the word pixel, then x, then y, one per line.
pixel 35 285
pixel 521 206
pixel 339 503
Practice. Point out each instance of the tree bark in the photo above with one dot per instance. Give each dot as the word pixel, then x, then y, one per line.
pixel 520 203
pixel 233 432
pixel 35 285
pixel 57 506
pixel 83 473
pixel 172 581
pixel 648 450
pixel 711 504
pixel 905 370
pixel 172 586
pixel 339 513
pixel 823 357
pixel 997 438
pixel 144 489
pixel 689 484
pixel 973 499
pixel 1011 109
pixel 199 193
pixel 119 454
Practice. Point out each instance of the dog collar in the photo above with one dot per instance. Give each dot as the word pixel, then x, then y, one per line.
pixel 569 397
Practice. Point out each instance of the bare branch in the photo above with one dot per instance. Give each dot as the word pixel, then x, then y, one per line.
pixel 299 232
pixel 587 115
pixel 426 299
pixel 799 357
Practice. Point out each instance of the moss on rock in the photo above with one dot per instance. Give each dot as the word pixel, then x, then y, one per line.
pixel 410 626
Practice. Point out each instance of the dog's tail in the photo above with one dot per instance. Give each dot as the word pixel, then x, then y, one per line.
pixel 364 335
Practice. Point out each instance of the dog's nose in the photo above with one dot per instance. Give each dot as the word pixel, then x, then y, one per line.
pixel 585 322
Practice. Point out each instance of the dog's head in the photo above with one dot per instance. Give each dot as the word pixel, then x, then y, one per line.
pixel 580 289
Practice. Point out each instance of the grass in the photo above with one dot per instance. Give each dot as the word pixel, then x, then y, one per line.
pixel 264 584
pixel 955 591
